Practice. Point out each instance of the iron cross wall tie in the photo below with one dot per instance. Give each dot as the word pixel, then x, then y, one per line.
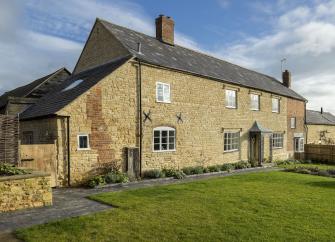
pixel 179 118
pixel 147 116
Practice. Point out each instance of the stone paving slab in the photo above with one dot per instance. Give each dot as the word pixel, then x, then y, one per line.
pixel 72 202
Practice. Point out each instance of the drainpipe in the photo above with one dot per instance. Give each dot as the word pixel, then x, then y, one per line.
pixel 140 113
pixel 68 152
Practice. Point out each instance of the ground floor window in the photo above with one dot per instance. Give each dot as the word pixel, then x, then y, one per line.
pixel 164 139
pixel 27 137
pixel 278 140
pixel 299 144
pixel 231 141
pixel 83 142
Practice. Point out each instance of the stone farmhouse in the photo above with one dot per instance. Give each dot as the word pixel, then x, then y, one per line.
pixel 320 127
pixel 143 102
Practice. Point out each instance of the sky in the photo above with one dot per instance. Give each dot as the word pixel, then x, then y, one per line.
pixel 39 36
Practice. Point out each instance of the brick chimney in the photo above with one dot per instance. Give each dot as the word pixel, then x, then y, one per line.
pixel 165 29
pixel 287 79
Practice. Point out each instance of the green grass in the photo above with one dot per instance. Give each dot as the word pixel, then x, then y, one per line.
pixel 270 206
pixel 321 166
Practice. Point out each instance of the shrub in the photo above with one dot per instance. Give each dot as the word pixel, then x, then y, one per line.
pixel 179 175
pixel 96 181
pixel 206 170
pixel 10 170
pixel 193 170
pixel 214 168
pixel 153 174
pixel 254 163
pixel 116 177
pixel 227 167
pixel 169 172
pixel 241 165
pixel 187 170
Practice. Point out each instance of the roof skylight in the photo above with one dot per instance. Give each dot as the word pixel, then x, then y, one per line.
pixel 73 85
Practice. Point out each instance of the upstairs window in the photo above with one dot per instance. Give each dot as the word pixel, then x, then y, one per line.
pixel 231 141
pixel 299 144
pixel 293 123
pixel 275 105
pixel 83 142
pixel 164 139
pixel 163 92
pixel 254 102
pixel 278 140
pixel 231 101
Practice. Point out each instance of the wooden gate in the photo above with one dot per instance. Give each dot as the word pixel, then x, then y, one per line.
pixel 41 157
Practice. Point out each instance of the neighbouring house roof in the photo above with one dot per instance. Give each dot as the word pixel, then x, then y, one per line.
pixel 36 88
pixel 316 117
pixel 177 57
pixel 70 89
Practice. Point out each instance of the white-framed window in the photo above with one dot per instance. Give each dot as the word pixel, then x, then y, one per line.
pixel 293 122
pixel 275 105
pixel 163 93
pixel 83 142
pixel 231 141
pixel 277 140
pixel 254 102
pixel 231 100
pixel 164 139
pixel 299 144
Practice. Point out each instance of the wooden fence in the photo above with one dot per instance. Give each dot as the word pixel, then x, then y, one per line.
pixel 320 153
pixel 9 139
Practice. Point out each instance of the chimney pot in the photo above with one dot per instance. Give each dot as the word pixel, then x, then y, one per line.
pixel 165 29
pixel 287 79
pixel 321 110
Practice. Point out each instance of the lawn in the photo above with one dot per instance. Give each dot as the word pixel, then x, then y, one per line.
pixel 269 206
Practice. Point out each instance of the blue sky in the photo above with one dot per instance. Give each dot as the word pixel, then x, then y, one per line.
pixel 39 36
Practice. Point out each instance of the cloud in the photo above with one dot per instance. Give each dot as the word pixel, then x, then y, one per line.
pixel 224 3
pixel 305 36
pixel 37 37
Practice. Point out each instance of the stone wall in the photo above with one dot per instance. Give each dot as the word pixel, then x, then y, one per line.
pixel 100 48
pixel 320 134
pixel 25 191
pixel 108 114
pixel 201 102
pixel 295 108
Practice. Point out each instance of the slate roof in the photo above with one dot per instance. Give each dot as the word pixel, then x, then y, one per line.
pixel 177 57
pixel 58 98
pixel 315 117
pixel 25 90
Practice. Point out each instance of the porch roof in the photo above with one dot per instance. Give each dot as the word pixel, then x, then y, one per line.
pixel 257 128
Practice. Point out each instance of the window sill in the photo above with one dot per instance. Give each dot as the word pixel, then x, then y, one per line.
pixel 163 151
pixel 163 102
pixel 275 112
pixel 83 149
pixel 277 148
pixel 230 107
pixel 230 151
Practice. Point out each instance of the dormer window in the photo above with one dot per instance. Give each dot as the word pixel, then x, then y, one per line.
pixel 163 92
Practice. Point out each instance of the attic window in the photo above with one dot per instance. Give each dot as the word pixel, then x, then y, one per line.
pixel 72 85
